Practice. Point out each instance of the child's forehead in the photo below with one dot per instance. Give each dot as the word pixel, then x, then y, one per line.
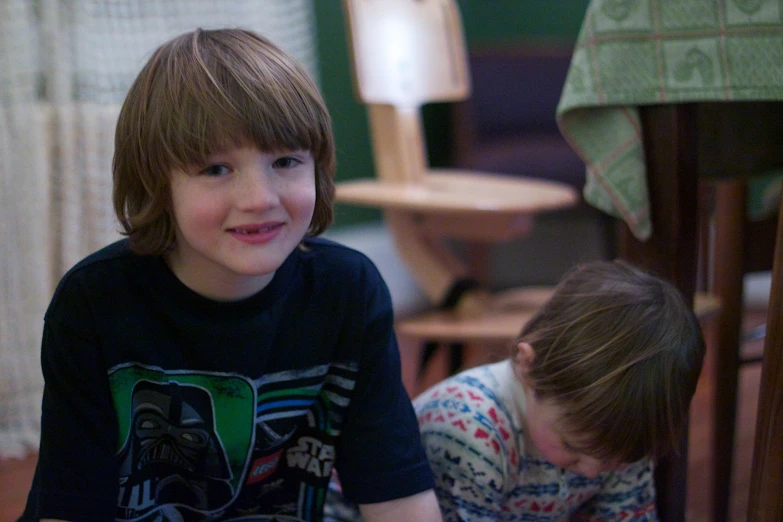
pixel 246 142
pixel 235 140
pixel 228 142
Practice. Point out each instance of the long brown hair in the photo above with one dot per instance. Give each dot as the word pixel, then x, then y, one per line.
pixel 203 91
pixel 619 351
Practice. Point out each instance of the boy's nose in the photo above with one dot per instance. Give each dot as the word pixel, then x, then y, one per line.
pixel 256 190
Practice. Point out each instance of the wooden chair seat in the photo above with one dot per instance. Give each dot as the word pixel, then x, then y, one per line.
pixel 458 191
pixel 502 318
pixel 463 204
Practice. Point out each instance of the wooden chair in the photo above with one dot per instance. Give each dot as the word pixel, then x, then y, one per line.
pixel 765 503
pixel 683 142
pixel 406 53
pixel 741 246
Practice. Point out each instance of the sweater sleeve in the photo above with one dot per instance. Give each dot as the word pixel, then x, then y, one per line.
pixel 467 449
pixel 627 494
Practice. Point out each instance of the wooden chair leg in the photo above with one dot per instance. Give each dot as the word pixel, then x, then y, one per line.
pixel 706 211
pixel 670 133
pixel 427 353
pixel 456 357
pixel 730 219
pixel 766 501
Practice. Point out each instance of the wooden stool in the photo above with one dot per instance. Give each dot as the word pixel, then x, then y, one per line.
pixel 741 246
pixel 406 53
pixel 499 323
pixel 719 139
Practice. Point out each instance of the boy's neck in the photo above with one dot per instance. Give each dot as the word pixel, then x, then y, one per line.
pixel 218 287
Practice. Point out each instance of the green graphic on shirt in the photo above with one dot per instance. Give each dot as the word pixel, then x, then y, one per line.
pixel 183 437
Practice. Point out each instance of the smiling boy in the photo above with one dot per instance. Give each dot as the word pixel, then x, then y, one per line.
pixel 221 360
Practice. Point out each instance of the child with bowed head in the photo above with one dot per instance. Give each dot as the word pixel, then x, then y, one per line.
pixel 219 362
pixel 598 385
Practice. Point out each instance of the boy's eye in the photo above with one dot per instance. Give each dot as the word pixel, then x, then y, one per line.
pixel 286 163
pixel 215 170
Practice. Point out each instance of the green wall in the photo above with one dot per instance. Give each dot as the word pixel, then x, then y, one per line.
pixel 486 22
pixel 508 21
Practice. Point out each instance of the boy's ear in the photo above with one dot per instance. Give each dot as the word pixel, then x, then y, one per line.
pixel 526 356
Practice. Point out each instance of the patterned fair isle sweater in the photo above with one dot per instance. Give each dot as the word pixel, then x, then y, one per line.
pixel 472 426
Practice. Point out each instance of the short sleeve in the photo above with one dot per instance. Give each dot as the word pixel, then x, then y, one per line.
pixel 76 475
pixel 627 494
pixel 380 456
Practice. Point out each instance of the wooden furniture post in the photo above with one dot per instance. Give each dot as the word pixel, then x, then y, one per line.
pixel 766 501
pixel 670 139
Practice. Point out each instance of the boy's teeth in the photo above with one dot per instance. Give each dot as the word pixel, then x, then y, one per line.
pixel 248 231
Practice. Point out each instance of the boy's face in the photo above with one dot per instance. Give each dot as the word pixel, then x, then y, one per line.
pixel 544 427
pixel 238 217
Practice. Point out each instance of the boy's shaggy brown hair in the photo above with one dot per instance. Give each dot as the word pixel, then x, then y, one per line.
pixel 201 92
pixel 619 351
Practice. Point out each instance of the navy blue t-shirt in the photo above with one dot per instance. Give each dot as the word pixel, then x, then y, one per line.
pixel 161 404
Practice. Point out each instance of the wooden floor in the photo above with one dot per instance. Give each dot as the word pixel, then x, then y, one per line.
pixel 16 475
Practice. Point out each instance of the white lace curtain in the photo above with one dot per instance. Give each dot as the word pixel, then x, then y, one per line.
pixel 65 66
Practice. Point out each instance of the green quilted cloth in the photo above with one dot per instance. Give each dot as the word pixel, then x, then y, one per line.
pixel 641 52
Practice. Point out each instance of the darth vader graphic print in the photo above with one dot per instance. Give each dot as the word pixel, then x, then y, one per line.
pixel 173 432
pixel 199 446
pixel 177 452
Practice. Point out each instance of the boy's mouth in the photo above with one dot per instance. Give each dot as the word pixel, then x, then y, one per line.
pixel 257 234
pixel 254 229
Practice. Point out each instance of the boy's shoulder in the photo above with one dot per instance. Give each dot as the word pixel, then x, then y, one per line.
pixel 465 404
pixel 322 246
pixel 119 251
pixel 480 382
pixel 336 258
pixel 99 270
pixel 470 414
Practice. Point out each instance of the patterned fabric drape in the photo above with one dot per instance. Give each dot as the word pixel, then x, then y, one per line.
pixel 65 66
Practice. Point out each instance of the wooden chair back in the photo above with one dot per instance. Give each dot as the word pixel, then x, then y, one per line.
pixel 405 53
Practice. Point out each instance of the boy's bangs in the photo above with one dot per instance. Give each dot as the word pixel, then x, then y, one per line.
pixel 622 421
pixel 217 105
